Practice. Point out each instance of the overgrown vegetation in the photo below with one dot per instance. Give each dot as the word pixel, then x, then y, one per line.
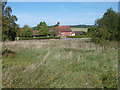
pixel 42 27
pixel 60 64
pixel 77 36
pixel 106 28
pixel 37 38
pixel 81 26
pixel 26 32
pixel 9 26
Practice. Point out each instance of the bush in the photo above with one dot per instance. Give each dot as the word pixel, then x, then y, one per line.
pixel 26 38
pixel 37 38
pixel 48 37
pixel 80 36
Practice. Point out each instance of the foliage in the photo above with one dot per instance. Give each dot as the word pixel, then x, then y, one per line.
pixel 37 38
pixel 9 27
pixel 27 31
pixel 48 38
pixel 78 36
pixel 107 27
pixel 42 26
pixel 34 28
pixel 53 32
pixel 92 32
pixel 81 26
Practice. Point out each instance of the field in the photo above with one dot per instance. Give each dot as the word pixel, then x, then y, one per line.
pixel 79 29
pixel 59 64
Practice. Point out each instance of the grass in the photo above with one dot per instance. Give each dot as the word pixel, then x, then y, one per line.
pixel 79 29
pixel 60 64
pixel 0 65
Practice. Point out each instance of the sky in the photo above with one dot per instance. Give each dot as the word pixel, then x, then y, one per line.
pixel 67 13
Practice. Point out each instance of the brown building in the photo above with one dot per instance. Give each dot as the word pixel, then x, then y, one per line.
pixel 65 31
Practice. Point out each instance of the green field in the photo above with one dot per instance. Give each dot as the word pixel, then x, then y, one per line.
pixel 80 29
pixel 59 64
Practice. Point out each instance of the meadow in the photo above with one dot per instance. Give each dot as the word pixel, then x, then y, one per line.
pixel 59 64
pixel 80 29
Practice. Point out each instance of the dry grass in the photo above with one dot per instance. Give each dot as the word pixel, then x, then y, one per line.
pixel 60 64
pixel 80 29
pixel 0 64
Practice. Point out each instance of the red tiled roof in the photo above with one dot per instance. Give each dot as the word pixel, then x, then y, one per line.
pixel 35 32
pixel 64 28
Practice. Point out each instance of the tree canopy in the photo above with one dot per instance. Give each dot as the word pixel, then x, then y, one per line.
pixel 27 31
pixel 9 26
pixel 42 27
pixel 106 27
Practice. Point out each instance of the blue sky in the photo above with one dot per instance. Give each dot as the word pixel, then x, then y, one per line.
pixel 67 13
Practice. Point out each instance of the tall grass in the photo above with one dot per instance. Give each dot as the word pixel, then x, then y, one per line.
pixel 60 64
pixel 0 65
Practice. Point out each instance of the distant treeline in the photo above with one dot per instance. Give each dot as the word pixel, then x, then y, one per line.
pixel 35 28
pixel 81 26
pixel 73 26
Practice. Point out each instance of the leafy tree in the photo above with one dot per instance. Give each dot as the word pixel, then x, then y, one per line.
pixel 27 31
pixel 34 28
pixel 53 32
pixel 42 26
pixel 0 21
pixel 9 27
pixel 91 31
pixel 107 27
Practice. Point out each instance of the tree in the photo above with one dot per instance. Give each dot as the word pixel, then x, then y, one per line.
pixel 27 31
pixel 9 27
pixel 53 32
pixel 42 27
pixel 92 31
pixel 107 27
pixel 0 21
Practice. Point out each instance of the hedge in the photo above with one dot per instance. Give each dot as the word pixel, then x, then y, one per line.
pixel 81 36
pixel 38 38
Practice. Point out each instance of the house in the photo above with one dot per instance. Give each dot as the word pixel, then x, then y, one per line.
pixel 65 31
pixel 79 32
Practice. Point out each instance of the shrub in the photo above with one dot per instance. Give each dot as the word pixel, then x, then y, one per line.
pixel 80 36
pixel 26 38
pixel 37 38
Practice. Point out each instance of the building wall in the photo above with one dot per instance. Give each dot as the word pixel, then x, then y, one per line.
pixel 66 34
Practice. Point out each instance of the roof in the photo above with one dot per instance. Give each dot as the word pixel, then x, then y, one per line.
pixel 64 28
pixel 35 32
pixel 79 32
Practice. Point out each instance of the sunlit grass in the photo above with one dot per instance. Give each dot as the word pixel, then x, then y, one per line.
pixel 60 64
pixel 80 29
